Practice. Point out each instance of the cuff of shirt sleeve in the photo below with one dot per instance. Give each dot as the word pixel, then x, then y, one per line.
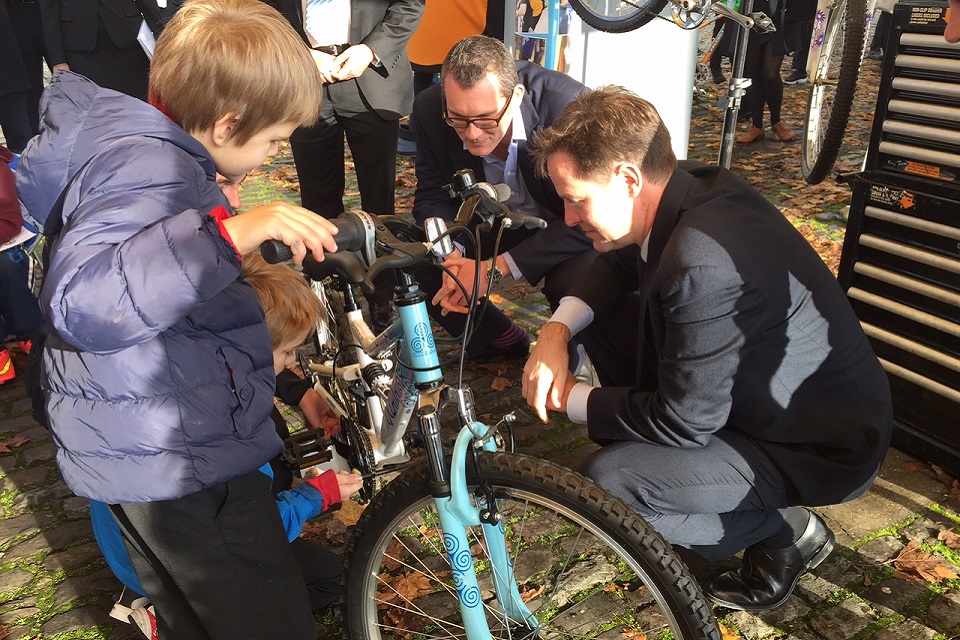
pixel 573 313
pixel 515 272
pixel 220 214
pixel 577 403
pixel 326 484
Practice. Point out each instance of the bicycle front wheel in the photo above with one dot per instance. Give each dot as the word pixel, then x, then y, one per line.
pixel 586 566
pixel 832 88
pixel 617 16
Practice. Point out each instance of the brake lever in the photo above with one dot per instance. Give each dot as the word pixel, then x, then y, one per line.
pixel 404 254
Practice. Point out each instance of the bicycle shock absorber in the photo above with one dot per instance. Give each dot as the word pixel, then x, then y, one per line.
pixel 377 379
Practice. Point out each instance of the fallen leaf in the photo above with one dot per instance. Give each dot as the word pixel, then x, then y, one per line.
pixel 500 384
pixel 529 594
pixel 919 565
pixel 349 512
pixel 726 633
pixel 867 581
pixel 950 539
pixel 8 445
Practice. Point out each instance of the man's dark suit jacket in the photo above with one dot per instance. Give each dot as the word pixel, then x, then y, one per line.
pixel 385 26
pixel 744 328
pixel 440 154
pixel 71 25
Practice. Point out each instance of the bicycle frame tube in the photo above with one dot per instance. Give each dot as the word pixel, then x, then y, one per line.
pixel 456 513
pixel 418 343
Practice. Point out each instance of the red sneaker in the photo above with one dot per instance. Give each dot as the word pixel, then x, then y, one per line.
pixel 6 367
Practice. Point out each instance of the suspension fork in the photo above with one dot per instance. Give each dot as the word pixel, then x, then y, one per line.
pixel 458 510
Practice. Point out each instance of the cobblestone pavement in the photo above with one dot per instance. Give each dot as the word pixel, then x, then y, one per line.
pixel 54 583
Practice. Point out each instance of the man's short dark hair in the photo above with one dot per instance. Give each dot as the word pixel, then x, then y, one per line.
pixel 604 127
pixel 472 58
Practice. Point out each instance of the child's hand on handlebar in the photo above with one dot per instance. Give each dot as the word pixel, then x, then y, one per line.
pixel 296 227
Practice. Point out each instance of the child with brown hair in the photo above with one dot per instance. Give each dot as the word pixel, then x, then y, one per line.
pixel 158 369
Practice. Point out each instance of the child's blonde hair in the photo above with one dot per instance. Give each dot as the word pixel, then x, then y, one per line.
pixel 290 306
pixel 218 57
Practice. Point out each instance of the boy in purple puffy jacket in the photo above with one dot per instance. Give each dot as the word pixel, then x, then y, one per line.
pixel 158 370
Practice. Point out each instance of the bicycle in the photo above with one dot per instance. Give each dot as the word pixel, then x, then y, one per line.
pixel 836 51
pixel 618 16
pixel 482 542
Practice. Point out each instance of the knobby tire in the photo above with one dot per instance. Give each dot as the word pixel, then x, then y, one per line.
pixel 585 563
pixel 617 16
pixel 821 141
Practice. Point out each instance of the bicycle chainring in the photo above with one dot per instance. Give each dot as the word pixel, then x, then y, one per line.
pixel 361 458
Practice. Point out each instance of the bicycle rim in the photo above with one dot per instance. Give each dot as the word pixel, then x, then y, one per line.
pixel 617 16
pixel 585 565
pixel 832 89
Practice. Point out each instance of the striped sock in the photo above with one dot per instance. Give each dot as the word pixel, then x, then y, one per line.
pixel 511 336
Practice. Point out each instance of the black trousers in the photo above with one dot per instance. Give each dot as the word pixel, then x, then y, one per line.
pixel 715 500
pixel 217 564
pixel 318 152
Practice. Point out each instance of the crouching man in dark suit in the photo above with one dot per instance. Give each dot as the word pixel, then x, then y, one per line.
pixel 752 389
pixel 480 117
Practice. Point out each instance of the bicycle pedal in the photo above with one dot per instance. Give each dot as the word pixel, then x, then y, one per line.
pixel 305 450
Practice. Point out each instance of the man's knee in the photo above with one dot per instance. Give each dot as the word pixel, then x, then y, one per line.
pixel 605 467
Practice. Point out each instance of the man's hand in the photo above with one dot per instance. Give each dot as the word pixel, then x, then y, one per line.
pixel 319 415
pixel 296 227
pixel 63 66
pixel 325 65
pixel 352 62
pixel 450 297
pixel 547 380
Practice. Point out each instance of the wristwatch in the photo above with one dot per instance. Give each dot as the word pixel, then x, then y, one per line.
pixel 494 275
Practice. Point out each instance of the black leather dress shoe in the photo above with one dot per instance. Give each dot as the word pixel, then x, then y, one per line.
pixel 516 351
pixel 768 576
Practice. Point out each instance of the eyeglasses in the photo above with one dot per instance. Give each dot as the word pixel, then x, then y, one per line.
pixel 479 123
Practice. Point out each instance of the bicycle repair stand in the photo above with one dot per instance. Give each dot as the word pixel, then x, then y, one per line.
pixel 737 87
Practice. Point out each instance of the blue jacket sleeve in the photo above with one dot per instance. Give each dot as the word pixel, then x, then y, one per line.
pixel 297 506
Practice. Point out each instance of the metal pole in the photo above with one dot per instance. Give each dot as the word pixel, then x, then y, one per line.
pixel 735 90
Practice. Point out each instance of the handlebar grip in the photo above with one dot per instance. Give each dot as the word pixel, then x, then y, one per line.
pixel 274 251
pixel 351 235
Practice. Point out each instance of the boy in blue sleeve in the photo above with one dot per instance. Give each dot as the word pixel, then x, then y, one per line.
pixel 158 369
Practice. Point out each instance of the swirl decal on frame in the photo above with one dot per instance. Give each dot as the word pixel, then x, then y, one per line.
pixel 422 342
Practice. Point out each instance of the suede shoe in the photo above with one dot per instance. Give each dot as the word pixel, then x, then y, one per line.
pixel 752 135
pixel 767 576
pixel 784 132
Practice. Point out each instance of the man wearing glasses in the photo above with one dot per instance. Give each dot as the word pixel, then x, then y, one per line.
pixel 480 117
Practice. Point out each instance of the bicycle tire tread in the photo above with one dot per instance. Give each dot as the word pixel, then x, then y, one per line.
pixel 671 575
pixel 843 98
pixel 615 25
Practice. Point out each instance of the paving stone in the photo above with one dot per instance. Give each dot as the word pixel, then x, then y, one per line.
pixel 42 497
pixel 74 557
pixel 893 594
pixel 69 534
pixel 17 615
pixel 25 478
pixel 76 507
pixel 828 578
pixel 24 524
pixel 8 463
pixel 13 579
pixel 29 428
pixel 925 530
pixel 882 549
pixel 844 620
pixel 790 610
pixel 80 618
pixel 28 548
pixel 750 626
pixel 45 452
pixel 945 610
pixel 19 633
pixel 72 588
pixel 901 631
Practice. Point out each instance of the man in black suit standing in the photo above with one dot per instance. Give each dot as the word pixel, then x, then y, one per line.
pixel 754 389
pixel 97 39
pixel 360 49
pixel 480 117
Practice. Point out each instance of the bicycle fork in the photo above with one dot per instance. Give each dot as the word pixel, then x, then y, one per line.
pixel 456 509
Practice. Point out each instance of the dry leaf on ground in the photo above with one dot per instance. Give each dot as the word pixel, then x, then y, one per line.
pixel 950 539
pixel 917 565
pixel 500 384
pixel 8 445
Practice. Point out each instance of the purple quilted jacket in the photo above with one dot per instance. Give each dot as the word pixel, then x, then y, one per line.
pixel 159 372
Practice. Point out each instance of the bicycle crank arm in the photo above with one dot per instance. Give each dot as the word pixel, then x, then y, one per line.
pixel 745 21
